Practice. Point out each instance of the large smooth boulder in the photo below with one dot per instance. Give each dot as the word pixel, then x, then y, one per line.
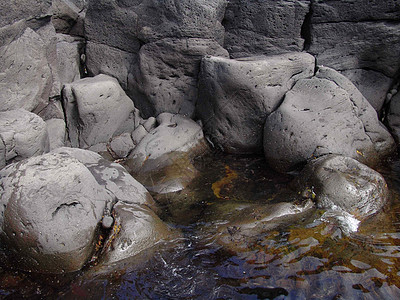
pixel 264 27
pixel 97 108
pixel 168 74
pixel 23 135
pixel 162 159
pixel 25 73
pixel 343 185
pixel 50 208
pixel 323 115
pixel 236 95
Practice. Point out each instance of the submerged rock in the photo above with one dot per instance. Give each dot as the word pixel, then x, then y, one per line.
pixel 344 187
pixel 136 228
pixel 235 96
pixel 162 159
pixel 23 134
pixel 323 115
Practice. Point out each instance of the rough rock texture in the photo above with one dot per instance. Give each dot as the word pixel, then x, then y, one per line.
pixel 373 85
pixel 235 96
pixel 146 21
pixel 97 109
pixel 10 11
pixel 24 134
pixel 57 132
pixel 69 50
pixel 50 208
pixel 111 176
pixel 356 34
pixel 162 159
pixel 322 115
pixel 52 205
pixel 139 228
pixel 117 63
pixel 393 117
pixel 342 183
pixel 68 16
pixel 25 73
pixel 264 27
pixel 122 145
pixel 155 48
pixel 168 74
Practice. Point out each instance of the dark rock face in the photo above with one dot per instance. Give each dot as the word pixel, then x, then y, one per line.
pixel 235 96
pixel 264 27
pixel 160 44
pixel 393 117
pixel 343 185
pixel 322 115
pixel 168 74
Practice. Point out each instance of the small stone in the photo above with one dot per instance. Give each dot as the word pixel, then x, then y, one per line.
pixel 107 222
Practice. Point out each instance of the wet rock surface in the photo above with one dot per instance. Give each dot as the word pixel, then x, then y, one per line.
pixel 235 96
pixel 343 185
pixel 162 159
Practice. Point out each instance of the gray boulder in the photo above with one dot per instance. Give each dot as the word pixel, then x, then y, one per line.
pixel 162 159
pixel 343 185
pixel 373 85
pixel 235 96
pixel 264 27
pixel 23 135
pixel 168 74
pixel 50 208
pixel 322 115
pixel 136 228
pixel 96 110
pixel 25 73
pixel 122 145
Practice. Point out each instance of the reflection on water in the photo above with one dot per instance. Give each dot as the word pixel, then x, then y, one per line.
pixel 309 259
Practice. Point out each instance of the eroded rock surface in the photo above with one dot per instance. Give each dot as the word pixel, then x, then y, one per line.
pixel 235 96
pixel 322 115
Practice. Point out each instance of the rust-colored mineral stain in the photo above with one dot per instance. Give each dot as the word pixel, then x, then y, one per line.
pixel 230 175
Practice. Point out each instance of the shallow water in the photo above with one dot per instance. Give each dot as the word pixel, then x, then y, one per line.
pixel 308 259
